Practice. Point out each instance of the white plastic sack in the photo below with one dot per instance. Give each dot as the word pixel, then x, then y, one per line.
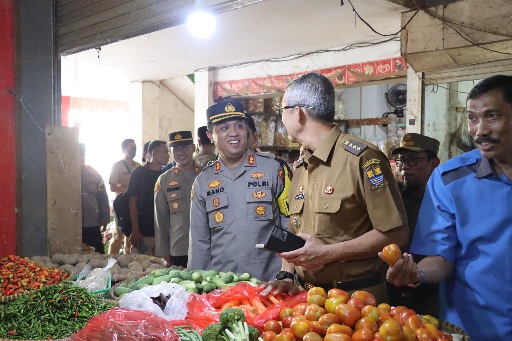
pixel 175 308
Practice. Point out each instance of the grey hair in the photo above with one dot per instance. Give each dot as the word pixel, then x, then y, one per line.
pixel 313 89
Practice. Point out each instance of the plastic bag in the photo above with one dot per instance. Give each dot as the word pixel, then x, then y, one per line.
pixel 175 308
pixel 203 309
pixel 97 279
pixel 122 324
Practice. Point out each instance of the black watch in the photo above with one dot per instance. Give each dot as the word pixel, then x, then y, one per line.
pixel 285 275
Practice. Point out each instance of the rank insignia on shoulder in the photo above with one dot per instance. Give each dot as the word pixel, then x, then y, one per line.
pixel 250 160
pixel 217 166
pixel 374 174
pixel 354 147
pixel 196 169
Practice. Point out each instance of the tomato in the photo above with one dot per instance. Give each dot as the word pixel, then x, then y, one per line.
pixel 384 306
pixel 382 319
pixel 301 327
pixel 337 337
pixel 312 336
pixel 371 312
pixel 432 329
pixel 319 328
pixel 331 303
pixel 365 296
pixel 377 337
pixel 413 322
pixel 285 336
pixel 285 312
pixel 339 329
pixel 287 321
pixel 367 323
pixel 391 330
pixel 273 325
pixel 362 335
pixel 408 334
pixel 423 334
pixel 300 308
pixel 391 254
pixel 335 292
pixel 268 335
pixel 329 319
pixel 356 302
pixel 396 310
pixel 317 295
pixel 347 314
pixel 404 315
pixel 314 312
pixel 432 320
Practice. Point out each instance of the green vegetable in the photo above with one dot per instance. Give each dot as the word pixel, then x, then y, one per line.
pixel 197 277
pixel 226 278
pixel 175 280
pixel 213 332
pixel 187 333
pixel 244 277
pixel 231 315
pixel 188 284
pixel 166 278
pixel 175 274
pixel 144 281
pixel 209 273
pixel 120 291
pixel 208 287
pixel 160 272
pixel 186 275
pixel 53 312
pixel 218 282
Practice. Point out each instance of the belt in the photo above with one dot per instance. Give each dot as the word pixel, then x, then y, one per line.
pixel 355 284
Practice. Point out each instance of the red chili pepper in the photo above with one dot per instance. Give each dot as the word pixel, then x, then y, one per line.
pixel 76 313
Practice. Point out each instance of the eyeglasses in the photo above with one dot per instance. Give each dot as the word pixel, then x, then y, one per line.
pixel 411 161
pixel 280 109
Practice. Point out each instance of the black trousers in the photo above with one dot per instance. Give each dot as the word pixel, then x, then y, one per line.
pixel 92 237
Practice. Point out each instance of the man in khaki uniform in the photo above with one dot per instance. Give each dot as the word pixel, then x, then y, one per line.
pixel 172 201
pixel 206 148
pixel 344 201
pixel 236 201
pixel 119 180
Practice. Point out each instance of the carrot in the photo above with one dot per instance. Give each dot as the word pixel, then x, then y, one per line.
pixel 230 304
pixel 244 301
pixel 256 303
pixel 266 302
pixel 249 309
pixel 273 298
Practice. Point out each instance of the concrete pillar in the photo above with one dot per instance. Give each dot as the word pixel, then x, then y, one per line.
pixel 203 97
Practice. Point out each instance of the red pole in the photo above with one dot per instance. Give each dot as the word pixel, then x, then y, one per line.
pixel 7 130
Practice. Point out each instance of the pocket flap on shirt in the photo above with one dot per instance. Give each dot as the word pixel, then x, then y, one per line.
pixel 328 205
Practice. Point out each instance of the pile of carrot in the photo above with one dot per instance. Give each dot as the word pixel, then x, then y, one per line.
pixel 19 274
pixel 253 306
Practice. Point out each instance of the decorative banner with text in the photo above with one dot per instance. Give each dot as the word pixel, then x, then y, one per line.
pixel 346 74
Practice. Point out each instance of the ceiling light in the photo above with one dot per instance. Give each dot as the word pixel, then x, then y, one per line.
pixel 201 24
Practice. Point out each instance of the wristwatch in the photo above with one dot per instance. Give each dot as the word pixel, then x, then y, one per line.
pixel 285 275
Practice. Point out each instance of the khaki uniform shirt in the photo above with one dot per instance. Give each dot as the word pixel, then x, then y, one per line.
pixel 232 211
pixel 119 175
pixel 172 211
pixel 341 191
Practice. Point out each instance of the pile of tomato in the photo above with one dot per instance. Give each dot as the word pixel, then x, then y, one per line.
pixel 338 316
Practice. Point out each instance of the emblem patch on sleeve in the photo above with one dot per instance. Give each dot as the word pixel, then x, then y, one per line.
pixel 374 174
pixel 218 217
pixel 157 186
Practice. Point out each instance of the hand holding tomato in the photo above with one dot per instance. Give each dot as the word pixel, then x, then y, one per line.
pixel 391 254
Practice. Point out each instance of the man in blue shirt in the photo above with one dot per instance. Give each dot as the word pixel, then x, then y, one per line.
pixel 465 224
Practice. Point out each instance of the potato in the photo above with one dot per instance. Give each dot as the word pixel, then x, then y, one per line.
pixel 124 260
pixel 70 268
pixel 83 259
pixel 124 271
pixel 114 270
pixel 146 264
pixel 98 263
pixel 79 267
pixel 153 266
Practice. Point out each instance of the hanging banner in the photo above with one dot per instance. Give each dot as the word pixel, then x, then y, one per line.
pixel 340 75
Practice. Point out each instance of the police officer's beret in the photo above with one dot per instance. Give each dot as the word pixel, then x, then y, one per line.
pixel 226 110
pixel 417 143
pixel 180 138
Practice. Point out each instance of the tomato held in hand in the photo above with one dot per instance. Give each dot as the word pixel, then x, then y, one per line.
pixel 391 254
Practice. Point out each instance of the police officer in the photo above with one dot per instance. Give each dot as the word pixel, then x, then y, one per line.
pixel 172 201
pixel 416 160
pixel 235 201
pixel 344 201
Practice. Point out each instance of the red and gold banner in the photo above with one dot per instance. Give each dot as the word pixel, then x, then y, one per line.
pixel 346 74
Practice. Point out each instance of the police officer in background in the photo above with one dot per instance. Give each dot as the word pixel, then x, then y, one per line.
pixel 172 201
pixel 416 160
pixel 206 147
pixel 344 201
pixel 235 201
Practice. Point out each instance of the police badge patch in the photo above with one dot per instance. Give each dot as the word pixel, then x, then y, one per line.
pixel 374 174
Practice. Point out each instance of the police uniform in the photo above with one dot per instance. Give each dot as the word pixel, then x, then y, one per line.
pixel 172 205
pixel 341 191
pixel 235 209
pixel 465 218
pixel 202 159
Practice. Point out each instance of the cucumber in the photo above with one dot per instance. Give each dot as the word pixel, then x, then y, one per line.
pixel 188 284
pixel 197 277
pixel 175 274
pixel 209 273
pixel 166 278
pixel 218 282
pixel 194 290
pixel 144 280
pixel 186 275
pixel 175 280
pixel 132 282
pixel 226 278
pixel 160 272
pixel 244 277
pixel 120 291
pixel 208 287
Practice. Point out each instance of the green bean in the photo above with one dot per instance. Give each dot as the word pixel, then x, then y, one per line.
pixel 55 312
